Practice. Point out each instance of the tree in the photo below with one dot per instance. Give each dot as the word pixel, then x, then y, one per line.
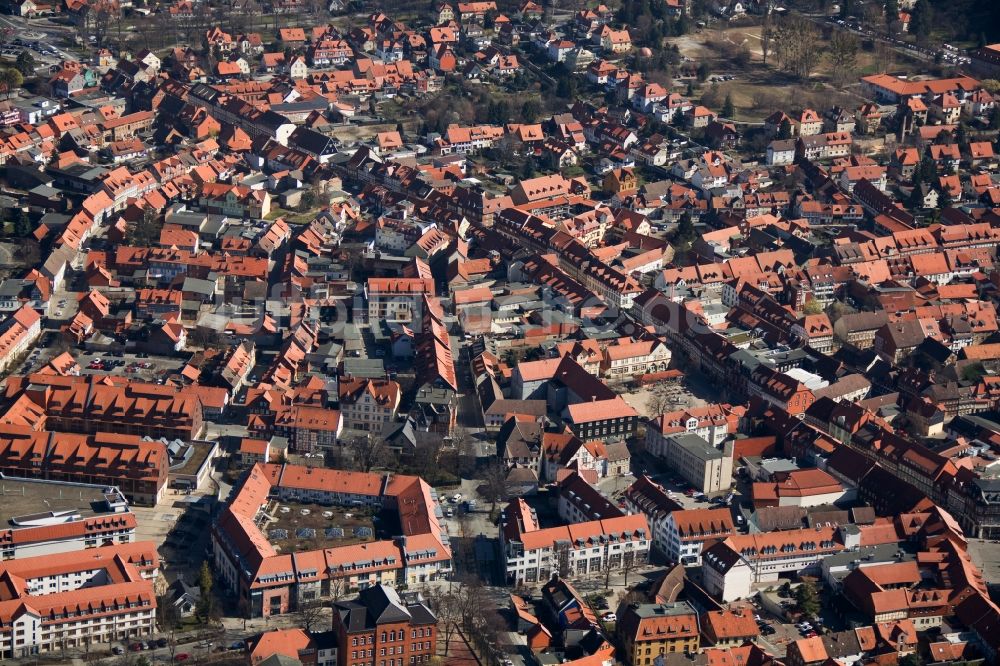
pixel 911 660
pixel 796 49
pixel 806 600
pixel 368 451
pixel 785 129
pixel 309 614
pixel 891 13
pixel 921 20
pixel 11 80
pixel 843 56
pixel 629 564
pixel 566 87
pixel 447 609
pixel 973 372
pixel 995 118
pixel 703 71
pixel 606 571
pixel 244 611
pixel 660 401
pixel 168 618
pixel 25 63
pixel 812 307
pixel 766 37
pixel 206 603
pixel 146 231
pixel 916 199
pixel 206 338
pixel 530 110
pixel 495 480
pixel 685 229
pixel 22 224
pixel 728 110
pixel 470 600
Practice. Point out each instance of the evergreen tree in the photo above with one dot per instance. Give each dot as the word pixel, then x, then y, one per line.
pixel 685 229
pixel 785 129
pixel 22 225
pixel 806 599
pixel 206 603
pixel 25 63
pixel 530 110
pixel 921 19
pixel 891 11
pixel 728 110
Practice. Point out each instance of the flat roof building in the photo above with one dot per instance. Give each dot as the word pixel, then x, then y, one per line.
pixel 40 517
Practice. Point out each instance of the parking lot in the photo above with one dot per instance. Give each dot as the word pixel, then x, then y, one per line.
pixel 140 366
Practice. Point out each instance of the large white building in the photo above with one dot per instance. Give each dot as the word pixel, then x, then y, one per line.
pixel 533 554
pixel 397 299
pixel 732 567
pixel 652 500
pixel 704 466
pixel 73 600
pixel 688 530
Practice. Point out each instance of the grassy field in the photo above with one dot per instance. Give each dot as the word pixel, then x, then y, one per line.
pixel 758 89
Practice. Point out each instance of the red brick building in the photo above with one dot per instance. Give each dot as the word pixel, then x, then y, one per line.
pixel 380 628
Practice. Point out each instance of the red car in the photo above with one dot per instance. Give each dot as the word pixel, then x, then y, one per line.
pixel 183 656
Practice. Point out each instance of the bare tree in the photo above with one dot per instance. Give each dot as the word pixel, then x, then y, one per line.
pixel 464 520
pixel 766 37
pixel 843 56
pixel 606 571
pixel 447 608
pixel 338 589
pixel 309 614
pixel 244 611
pixel 495 480
pixel 796 49
pixel 470 600
pixel 659 401
pixel 368 451
pixel 629 564
pixel 168 619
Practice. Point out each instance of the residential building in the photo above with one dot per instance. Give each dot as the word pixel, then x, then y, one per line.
pixel 272 583
pixel 704 466
pixel 533 554
pixel 79 599
pixel 381 625
pixel 649 632
pixel 368 404
pixel 688 530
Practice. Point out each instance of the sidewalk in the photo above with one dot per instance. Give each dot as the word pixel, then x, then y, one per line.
pixel 459 651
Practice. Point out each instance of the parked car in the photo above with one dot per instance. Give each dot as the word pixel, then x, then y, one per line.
pixel 183 656
pixel 609 617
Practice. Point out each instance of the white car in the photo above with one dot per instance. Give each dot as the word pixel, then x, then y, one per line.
pixel 456 498
pixel 609 617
